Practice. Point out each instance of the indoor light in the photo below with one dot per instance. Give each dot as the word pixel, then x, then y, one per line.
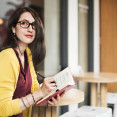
pixel 1 21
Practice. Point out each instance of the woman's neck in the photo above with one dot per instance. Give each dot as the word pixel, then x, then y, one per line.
pixel 21 49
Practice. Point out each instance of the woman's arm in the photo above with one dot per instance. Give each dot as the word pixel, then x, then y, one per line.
pixel 47 86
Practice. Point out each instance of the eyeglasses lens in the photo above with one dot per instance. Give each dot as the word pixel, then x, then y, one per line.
pixel 24 24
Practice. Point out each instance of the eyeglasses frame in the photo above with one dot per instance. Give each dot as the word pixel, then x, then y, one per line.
pixel 28 25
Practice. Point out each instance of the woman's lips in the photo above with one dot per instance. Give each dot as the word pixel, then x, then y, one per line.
pixel 29 36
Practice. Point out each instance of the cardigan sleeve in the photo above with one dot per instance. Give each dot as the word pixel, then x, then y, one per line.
pixel 8 107
pixel 36 84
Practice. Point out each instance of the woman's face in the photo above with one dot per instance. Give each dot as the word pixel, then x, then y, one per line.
pixel 25 29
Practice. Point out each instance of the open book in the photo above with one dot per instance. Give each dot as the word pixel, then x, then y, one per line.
pixel 64 82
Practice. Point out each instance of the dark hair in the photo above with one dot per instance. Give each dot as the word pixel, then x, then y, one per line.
pixel 37 47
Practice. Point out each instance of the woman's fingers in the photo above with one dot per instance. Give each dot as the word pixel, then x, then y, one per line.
pixel 54 100
pixel 51 103
pixel 53 84
pixel 50 80
pixel 58 97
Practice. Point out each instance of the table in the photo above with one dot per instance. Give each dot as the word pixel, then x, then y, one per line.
pixel 72 96
pixel 94 78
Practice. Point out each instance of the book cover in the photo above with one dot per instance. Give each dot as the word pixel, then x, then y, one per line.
pixel 64 82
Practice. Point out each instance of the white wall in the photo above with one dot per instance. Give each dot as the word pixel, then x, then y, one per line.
pixel 97 39
pixel 73 34
pixel 52 33
pixel 73 40
pixel 96 36
pixel 83 44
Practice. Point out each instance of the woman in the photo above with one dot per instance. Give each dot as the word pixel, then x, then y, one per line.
pixel 19 88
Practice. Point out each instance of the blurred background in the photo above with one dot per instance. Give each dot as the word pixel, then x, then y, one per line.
pixel 78 33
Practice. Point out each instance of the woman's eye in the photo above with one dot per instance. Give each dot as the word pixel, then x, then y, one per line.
pixel 24 23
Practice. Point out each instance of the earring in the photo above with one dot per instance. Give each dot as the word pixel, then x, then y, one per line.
pixel 14 34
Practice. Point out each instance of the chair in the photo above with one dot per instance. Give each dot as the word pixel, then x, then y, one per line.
pixel 112 99
pixel 89 111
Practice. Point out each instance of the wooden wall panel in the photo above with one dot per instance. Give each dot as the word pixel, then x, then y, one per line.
pixel 108 20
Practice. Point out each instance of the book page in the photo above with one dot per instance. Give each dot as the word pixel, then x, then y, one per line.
pixel 64 78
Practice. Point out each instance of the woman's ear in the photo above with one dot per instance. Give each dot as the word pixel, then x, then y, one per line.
pixel 13 30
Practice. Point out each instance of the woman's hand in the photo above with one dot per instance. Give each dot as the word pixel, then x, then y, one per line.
pixel 48 85
pixel 54 101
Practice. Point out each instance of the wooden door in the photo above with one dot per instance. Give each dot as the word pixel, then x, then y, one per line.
pixel 108 27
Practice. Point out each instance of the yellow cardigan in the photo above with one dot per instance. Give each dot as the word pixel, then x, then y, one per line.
pixel 9 72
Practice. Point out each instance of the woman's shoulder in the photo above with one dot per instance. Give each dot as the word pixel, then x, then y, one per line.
pixel 8 54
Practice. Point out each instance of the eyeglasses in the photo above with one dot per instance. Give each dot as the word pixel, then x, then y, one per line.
pixel 26 24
